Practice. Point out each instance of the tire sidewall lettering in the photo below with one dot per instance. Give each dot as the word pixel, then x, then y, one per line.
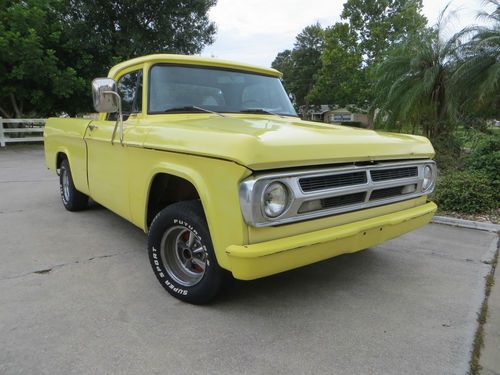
pixel 160 269
pixel 188 215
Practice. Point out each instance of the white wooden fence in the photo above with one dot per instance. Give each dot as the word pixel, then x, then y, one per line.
pixel 30 127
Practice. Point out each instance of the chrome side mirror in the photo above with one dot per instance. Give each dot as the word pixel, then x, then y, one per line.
pixel 102 94
pixel 106 99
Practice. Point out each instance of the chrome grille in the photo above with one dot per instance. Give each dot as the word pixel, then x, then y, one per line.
pixel 393 174
pixel 332 181
pixel 331 191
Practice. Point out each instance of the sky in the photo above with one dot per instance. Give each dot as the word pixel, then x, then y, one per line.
pixel 254 31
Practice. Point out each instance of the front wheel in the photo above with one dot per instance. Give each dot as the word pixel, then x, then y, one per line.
pixel 182 255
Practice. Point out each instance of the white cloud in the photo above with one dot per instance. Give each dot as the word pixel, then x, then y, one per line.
pixel 460 13
pixel 254 31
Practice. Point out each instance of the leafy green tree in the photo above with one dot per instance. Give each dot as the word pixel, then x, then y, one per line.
pixel 339 80
pixel 354 47
pixel 130 28
pixel 284 63
pixel 380 23
pixel 301 64
pixel 51 49
pixel 34 80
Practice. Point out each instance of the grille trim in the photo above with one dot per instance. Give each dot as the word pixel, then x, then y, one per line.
pixel 378 175
pixel 308 184
pixel 343 200
pixel 386 193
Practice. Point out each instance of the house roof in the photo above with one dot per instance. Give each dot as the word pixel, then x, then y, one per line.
pixel 319 109
pixel 324 108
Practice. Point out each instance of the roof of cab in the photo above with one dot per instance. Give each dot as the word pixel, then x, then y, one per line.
pixel 192 60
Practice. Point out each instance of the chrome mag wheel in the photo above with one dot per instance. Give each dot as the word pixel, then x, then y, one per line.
pixel 183 255
pixel 65 184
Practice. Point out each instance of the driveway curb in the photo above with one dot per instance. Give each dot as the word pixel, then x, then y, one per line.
pixel 479 225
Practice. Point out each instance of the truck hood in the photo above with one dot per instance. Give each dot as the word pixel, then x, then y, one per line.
pixel 267 142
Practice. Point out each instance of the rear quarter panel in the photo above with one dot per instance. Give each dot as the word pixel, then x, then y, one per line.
pixel 65 135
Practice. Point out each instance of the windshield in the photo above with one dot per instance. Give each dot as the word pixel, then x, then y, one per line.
pixel 194 89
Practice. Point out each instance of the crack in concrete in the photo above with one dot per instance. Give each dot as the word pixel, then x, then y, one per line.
pixel 18 181
pixel 46 271
pixel 452 258
pixel 436 254
pixel 10 212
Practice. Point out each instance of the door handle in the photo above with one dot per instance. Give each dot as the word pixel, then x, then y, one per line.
pixel 93 127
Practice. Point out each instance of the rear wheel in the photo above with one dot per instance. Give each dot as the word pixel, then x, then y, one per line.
pixel 72 199
pixel 182 255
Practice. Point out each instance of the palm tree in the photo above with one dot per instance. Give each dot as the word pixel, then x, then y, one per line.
pixel 412 82
pixel 477 76
pixel 429 82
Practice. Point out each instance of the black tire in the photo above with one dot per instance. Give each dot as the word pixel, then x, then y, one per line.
pixel 72 199
pixel 170 261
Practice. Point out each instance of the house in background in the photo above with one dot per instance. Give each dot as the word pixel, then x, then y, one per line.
pixel 314 113
pixel 334 115
pixel 345 116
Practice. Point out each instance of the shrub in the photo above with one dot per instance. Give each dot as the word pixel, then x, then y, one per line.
pixel 485 157
pixel 448 152
pixel 355 124
pixel 466 191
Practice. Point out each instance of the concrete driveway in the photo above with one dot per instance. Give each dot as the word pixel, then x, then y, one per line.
pixel 77 296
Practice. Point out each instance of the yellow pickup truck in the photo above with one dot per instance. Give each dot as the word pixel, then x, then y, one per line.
pixel 211 160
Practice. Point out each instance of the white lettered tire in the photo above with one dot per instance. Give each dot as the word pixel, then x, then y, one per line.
pixel 181 253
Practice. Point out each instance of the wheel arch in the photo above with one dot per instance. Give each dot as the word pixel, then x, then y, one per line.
pixel 60 156
pixel 78 165
pixel 166 188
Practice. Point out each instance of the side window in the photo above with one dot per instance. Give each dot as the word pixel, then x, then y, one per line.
pixel 130 89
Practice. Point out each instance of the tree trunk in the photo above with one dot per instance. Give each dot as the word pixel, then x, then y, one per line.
pixel 17 111
pixel 5 113
pixel 371 118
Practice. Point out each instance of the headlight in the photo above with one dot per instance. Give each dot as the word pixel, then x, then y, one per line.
pixel 428 178
pixel 274 200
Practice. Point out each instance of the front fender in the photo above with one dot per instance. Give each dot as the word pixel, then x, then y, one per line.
pixel 216 181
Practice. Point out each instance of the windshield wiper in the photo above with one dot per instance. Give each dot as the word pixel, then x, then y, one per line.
pixel 260 110
pixel 191 108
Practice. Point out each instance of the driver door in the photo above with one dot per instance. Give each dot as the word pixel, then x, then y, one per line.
pixel 107 161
